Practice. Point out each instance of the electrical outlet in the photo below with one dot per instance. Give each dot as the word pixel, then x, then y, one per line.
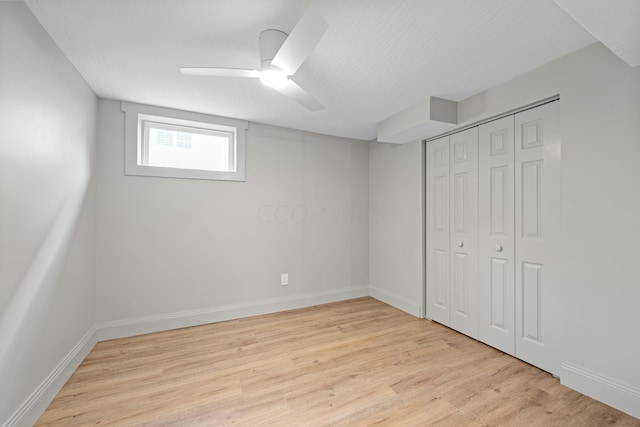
pixel 284 279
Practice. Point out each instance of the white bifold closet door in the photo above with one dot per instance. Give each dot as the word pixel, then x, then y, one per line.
pixel 463 172
pixel 452 226
pixel 437 223
pixel 493 203
pixel 537 213
pixel 519 217
pixel 496 234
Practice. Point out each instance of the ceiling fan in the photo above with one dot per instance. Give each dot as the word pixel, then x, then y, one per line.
pixel 281 55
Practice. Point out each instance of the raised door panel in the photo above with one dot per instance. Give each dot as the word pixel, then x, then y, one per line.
pixel 496 250
pixel 532 303
pixel 437 222
pixel 537 173
pixel 463 193
pixel 499 309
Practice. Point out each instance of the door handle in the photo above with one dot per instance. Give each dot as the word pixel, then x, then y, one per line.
pixel 498 248
pixel 460 243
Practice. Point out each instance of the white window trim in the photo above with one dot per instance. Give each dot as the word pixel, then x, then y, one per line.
pixel 137 114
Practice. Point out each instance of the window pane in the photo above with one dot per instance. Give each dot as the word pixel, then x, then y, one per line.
pixel 165 143
pixel 189 150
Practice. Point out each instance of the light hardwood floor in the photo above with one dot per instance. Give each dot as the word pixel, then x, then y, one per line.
pixel 353 363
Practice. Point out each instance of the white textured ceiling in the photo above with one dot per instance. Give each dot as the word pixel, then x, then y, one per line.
pixel 377 58
pixel 615 23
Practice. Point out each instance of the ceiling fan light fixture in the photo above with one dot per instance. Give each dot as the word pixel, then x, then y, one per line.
pixel 273 78
pixel 281 55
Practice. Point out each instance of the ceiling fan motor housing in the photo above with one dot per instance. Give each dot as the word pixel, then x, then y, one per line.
pixel 270 43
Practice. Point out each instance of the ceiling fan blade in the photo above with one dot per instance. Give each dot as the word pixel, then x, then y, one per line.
pixel 219 72
pixel 295 92
pixel 299 44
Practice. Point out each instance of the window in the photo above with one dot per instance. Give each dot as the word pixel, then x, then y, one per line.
pixel 181 147
pixel 161 142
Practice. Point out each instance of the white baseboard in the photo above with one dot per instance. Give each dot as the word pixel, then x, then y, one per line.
pixel 605 389
pixel 183 319
pixel 396 301
pixel 29 412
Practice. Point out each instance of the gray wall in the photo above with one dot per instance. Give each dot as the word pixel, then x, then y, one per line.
pixel 47 241
pixel 189 251
pixel 395 229
pixel 595 314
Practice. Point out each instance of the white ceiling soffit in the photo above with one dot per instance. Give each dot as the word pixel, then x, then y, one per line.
pixel 616 23
pixel 427 117
pixel 377 58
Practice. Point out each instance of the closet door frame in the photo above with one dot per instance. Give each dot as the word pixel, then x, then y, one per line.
pixel 536 267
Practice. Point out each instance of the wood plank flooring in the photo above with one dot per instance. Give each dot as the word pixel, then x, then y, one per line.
pixel 353 363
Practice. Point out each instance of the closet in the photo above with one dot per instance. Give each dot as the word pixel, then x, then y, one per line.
pixel 493 232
